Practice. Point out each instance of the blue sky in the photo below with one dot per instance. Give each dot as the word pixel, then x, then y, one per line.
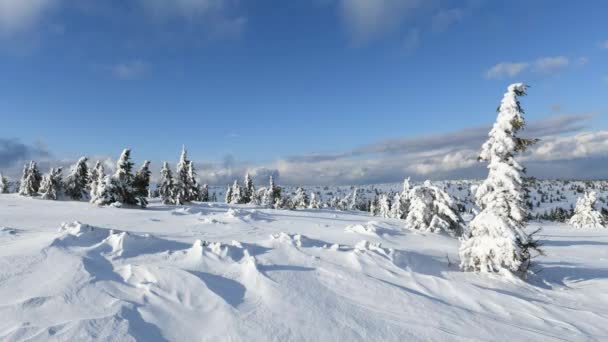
pixel 257 84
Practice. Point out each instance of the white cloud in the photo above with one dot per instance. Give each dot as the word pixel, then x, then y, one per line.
pixel 506 69
pixel 20 15
pixel 543 65
pixel 603 45
pixel 551 65
pixel 129 71
pixel 368 20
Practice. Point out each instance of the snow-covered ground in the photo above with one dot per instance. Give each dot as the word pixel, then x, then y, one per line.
pixel 230 273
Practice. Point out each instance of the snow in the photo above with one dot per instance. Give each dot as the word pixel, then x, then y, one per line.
pixel 72 271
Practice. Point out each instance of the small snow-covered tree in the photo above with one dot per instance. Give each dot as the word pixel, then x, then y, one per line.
pixel 496 239
pixel 433 210
pixel 166 185
pixel 204 193
pixel 315 202
pixel 384 206
pixel 186 189
pixel 98 175
pixel 585 213
pixel 248 189
pixel 374 206
pixel 30 180
pixel 228 196
pixel 397 209
pixel 275 191
pixel 105 192
pixel 355 200
pixel 78 179
pixel 141 183
pixel 122 188
pixel 193 190
pixel 3 184
pixel 236 196
pixel 301 200
pixel 51 184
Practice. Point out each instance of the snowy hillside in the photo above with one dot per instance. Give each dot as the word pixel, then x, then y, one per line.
pixel 213 272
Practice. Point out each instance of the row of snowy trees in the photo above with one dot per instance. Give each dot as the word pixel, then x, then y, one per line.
pixel 424 207
pixel 182 187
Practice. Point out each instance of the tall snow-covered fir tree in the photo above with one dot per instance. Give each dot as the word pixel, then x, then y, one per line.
pixel 51 185
pixel 496 239
pixel 585 213
pixel 123 180
pixel 193 191
pixel 30 180
pixel 141 183
pixel 186 189
pixel 301 200
pixel 384 206
pixel 237 193
pixel 355 200
pixel 272 195
pixel 98 175
pixel 248 189
pixel 3 184
pixel 433 210
pixel 166 185
pixel 77 181
pixel 228 195
pixel 397 209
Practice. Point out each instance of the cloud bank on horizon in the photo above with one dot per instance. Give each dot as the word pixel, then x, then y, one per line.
pixel 566 150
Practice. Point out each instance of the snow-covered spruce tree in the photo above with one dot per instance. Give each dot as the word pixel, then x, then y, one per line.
pixel 228 196
pixel 274 190
pixel 405 196
pixel 433 210
pixel 585 214
pixel 397 209
pixel 105 192
pixel 93 176
pixel 141 183
pixel 77 181
pixel 166 185
pixel 374 206
pixel 98 175
pixel 301 200
pixel 384 206
pixel 237 193
pixel 186 189
pixel 315 202
pixel 204 193
pixel 51 184
pixel 248 189
pixel 123 181
pixel 3 184
pixel 30 180
pixel 496 239
pixel 355 200
pixel 193 192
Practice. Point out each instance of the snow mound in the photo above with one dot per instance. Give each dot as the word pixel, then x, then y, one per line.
pixel 114 243
pixel 376 247
pixel 219 251
pixel 367 229
pixel 298 240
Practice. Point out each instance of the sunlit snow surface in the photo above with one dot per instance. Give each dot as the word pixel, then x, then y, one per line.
pixel 239 273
